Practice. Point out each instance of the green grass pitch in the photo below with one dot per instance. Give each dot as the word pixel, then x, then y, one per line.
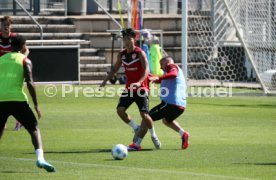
pixel 230 138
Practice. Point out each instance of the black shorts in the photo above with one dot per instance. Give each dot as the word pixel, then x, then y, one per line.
pixel 167 111
pixel 141 98
pixel 21 111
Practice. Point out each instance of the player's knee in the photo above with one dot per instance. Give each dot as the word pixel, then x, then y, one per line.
pixel 120 110
pixel 32 129
pixel 145 116
pixel 165 122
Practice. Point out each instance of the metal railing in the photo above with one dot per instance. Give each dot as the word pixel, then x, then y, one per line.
pixel 109 15
pixel 35 21
pixel 7 6
pixel 59 7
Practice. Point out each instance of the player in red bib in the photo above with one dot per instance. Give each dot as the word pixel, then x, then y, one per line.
pixel 6 35
pixel 136 68
pixel 137 79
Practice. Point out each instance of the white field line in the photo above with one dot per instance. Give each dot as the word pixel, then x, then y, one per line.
pixel 133 168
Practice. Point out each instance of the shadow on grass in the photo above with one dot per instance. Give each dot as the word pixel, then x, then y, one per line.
pixel 239 105
pixel 258 164
pixel 15 172
pixel 140 150
pixel 83 152
pixel 265 164
pixel 9 172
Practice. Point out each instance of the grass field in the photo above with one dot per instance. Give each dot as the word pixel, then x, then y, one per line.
pixel 230 138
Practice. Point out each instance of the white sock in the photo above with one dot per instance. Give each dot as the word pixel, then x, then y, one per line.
pixel 132 124
pixel 181 132
pixel 39 153
pixel 152 132
pixel 138 142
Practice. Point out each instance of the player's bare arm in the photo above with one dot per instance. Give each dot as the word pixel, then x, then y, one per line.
pixel 114 70
pixel 154 79
pixel 30 85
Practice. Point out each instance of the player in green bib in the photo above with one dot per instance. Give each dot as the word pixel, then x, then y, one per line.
pixel 14 69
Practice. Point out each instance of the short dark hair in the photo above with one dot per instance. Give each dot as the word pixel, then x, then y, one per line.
pixel 128 32
pixel 6 19
pixel 166 57
pixel 17 42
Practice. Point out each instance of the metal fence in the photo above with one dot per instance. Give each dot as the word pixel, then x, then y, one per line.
pixel 8 6
pixel 59 7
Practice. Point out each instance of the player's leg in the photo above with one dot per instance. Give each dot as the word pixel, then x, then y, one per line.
pixel 141 132
pixel 155 113
pixel 138 136
pixel 27 118
pixel 142 102
pixel 173 125
pixel 149 124
pixel 18 125
pixel 183 134
pixel 3 120
pixel 124 102
pixel 121 111
pixel 4 114
pixel 171 114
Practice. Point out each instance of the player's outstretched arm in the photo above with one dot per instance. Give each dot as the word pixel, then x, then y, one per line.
pixel 30 84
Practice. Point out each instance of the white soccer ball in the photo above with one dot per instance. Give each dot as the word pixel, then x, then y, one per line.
pixel 119 152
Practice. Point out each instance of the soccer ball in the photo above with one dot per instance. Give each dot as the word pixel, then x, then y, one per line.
pixel 119 152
